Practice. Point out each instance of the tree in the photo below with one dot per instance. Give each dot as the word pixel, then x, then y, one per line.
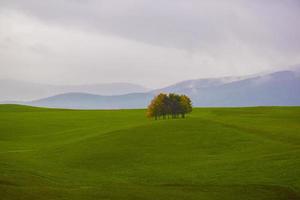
pixel 158 106
pixel 185 105
pixel 152 110
pixel 172 104
pixel 175 107
pixel 162 104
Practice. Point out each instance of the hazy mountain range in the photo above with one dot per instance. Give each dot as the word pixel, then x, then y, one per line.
pixel 12 90
pixel 281 88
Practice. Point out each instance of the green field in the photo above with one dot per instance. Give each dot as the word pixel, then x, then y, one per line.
pixel 215 153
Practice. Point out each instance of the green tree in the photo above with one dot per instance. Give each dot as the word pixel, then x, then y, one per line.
pixel 174 102
pixel 185 105
pixel 164 105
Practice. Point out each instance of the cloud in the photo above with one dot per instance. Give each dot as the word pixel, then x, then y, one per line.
pixel 145 42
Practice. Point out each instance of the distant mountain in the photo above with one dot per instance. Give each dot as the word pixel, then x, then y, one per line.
pixel 91 101
pixel 197 84
pixel 280 88
pixel 11 90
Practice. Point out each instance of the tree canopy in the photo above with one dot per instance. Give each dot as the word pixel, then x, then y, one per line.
pixel 166 105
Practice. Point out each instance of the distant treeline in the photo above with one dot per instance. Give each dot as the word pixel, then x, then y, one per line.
pixel 166 105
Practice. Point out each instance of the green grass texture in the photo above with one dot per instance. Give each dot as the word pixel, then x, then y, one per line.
pixel 214 153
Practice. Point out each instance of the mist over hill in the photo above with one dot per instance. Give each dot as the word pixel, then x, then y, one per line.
pixel 279 88
pixel 12 90
pixel 91 101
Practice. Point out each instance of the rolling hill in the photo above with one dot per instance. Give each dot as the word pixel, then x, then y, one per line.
pixel 12 90
pixel 91 101
pixel 273 89
pixel 213 154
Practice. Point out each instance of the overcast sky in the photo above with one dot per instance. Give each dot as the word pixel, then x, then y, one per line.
pixel 153 43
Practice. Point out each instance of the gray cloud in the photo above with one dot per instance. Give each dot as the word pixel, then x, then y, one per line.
pixel 144 42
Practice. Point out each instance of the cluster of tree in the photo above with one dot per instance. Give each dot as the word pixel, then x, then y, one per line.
pixel 166 105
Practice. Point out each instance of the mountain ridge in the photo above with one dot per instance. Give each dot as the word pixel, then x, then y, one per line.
pixel 280 88
pixel 15 90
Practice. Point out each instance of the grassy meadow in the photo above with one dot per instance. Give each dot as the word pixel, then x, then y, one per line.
pixel 214 153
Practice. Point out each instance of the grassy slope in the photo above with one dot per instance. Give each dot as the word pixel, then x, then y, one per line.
pixel 216 153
